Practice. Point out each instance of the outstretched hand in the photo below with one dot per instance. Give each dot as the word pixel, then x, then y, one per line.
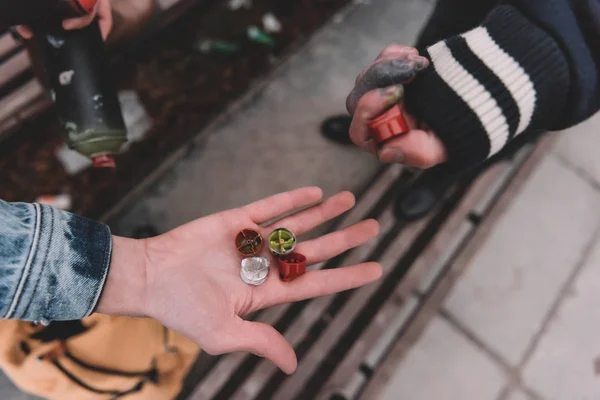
pixel 191 275
pixel 376 90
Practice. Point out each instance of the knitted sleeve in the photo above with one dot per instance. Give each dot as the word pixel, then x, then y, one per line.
pixel 522 70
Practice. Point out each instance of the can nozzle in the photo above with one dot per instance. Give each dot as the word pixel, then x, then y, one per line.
pixel 105 161
pixel 389 125
pixel 86 101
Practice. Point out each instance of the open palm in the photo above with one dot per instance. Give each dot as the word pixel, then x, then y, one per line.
pixel 193 273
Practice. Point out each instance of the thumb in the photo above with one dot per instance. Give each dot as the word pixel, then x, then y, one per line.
pixel 264 341
pixel 417 148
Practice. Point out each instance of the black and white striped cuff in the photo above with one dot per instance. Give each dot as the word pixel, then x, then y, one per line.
pixel 490 84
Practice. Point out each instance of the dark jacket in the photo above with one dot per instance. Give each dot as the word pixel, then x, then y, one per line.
pixel 531 65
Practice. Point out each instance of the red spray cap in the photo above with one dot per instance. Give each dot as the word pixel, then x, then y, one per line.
pixel 389 125
pixel 291 266
pixel 248 242
pixel 86 5
pixel 105 161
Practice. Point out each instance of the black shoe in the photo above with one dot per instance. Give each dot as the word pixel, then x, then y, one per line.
pixel 337 129
pixel 423 196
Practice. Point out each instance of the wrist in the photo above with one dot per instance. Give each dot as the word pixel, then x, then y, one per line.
pixel 124 291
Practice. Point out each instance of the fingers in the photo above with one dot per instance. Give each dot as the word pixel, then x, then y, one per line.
pixel 306 220
pixel 24 31
pixel 321 283
pixel 78 23
pixel 397 50
pixel 379 87
pixel 279 204
pixel 417 148
pixel 370 106
pixel 388 53
pixel 264 341
pixel 105 18
pixel 388 71
pixel 102 11
pixel 333 244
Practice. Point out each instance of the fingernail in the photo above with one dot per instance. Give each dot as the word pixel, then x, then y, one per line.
pixel 393 94
pixel 391 156
pixel 420 63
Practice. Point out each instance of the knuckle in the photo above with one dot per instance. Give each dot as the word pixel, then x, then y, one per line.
pixel 390 48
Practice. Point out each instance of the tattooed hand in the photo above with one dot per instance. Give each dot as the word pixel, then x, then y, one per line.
pixel 377 89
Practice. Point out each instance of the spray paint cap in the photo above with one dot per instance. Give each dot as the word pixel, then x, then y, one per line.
pixel 389 125
pixel 248 242
pixel 85 5
pixel 104 161
pixel 291 266
pixel 282 241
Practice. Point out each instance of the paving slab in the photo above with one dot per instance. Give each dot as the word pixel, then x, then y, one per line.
pixel 566 363
pixel 579 145
pixel 443 364
pixel 512 282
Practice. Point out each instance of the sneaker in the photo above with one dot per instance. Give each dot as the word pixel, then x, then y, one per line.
pixel 337 129
pixel 422 196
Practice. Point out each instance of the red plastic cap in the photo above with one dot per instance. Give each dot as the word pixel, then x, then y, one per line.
pixel 248 242
pixel 291 266
pixel 105 161
pixel 389 125
pixel 87 5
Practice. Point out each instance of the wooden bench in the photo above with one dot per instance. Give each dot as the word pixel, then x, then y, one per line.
pixel 21 94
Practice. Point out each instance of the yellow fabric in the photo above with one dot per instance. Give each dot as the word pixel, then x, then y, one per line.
pixel 121 343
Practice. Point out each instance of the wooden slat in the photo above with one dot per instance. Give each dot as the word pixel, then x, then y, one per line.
pixel 372 195
pixel 434 299
pixel 29 111
pixel 7 44
pixel 20 99
pixel 14 66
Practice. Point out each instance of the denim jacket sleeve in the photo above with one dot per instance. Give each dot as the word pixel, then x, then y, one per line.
pixel 53 264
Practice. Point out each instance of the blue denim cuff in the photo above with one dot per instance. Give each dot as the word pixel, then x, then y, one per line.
pixel 65 270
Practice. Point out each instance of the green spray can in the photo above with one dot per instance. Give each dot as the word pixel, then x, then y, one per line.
pixel 82 89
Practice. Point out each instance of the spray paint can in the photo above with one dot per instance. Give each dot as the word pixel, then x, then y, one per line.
pixel 81 86
pixel 76 70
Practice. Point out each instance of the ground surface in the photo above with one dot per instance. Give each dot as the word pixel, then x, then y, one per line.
pixel 521 324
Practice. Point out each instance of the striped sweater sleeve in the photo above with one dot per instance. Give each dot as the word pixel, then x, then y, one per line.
pixel 491 84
